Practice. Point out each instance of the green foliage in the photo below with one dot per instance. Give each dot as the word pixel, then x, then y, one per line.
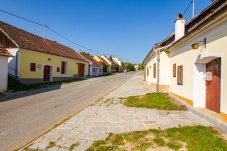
pixel 141 67
pixel 189 137
pixel 73 146
pixel 111 57
pixel 86 53
pixel 129 66
pixel 16 85
pixel 153 100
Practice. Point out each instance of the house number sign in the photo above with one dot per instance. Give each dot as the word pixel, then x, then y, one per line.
pixel 38 65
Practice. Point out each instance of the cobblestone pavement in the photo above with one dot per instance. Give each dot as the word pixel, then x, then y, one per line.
pixel 108 115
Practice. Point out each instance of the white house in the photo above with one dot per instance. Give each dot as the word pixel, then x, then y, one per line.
pixel 196 76
pixel 119 63
pixel 95 67
pixel 111 63
pixel 4 55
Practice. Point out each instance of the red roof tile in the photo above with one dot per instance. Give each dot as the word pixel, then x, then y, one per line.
pixel 4 52
pixel 33 42
pixel 91 59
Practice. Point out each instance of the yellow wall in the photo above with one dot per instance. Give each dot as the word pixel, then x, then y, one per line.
pixel 99 60
pixel 28 56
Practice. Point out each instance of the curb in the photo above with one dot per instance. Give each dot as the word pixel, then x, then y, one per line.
pixel 216 122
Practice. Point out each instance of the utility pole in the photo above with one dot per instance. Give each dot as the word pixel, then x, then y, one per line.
pixel 193 7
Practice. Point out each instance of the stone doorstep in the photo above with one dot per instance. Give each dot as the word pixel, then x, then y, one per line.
pixel 206 114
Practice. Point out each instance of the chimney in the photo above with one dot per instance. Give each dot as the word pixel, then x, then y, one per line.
pixel 179 26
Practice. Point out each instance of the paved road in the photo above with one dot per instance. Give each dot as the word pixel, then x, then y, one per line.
pixel 109 115
pixel 26 118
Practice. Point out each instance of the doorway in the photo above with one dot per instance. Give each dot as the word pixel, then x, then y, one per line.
pixel 213 86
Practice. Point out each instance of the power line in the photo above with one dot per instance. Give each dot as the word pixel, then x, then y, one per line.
pixel 184 13
pixel 51 30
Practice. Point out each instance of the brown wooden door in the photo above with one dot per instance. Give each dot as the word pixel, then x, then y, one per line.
pixel 80 70
pixel 46 73
pixel 213 86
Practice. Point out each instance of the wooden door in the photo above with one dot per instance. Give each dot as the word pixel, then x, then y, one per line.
pixel 80 70
pixel 46 73
pixel 213 86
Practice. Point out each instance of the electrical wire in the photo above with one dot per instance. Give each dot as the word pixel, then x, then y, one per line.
pixel 183 14
pixel 51 30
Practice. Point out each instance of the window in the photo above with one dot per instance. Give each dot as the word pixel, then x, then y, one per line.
pixel 180 75
pixel 33 67
pixel 100 70
pixel 63 67
pixel 174 70
pixel 93 69
pixel 147 71
pixel 154 70
pixel 58 69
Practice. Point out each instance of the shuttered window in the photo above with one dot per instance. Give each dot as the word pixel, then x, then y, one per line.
pixel 180 75
pixel 174 70
pixel 63 67
pixel 58 69
pixel 147 71
pixel 154 70
pixel 33 67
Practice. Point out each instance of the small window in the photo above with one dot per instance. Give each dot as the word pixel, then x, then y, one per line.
pixel 33 67
pixel 147 71
pixel 154 70
pixel 58 69
pixel 180 75
pixel 100 70
pixel 174 70
pixel 93 69
pixel 63 67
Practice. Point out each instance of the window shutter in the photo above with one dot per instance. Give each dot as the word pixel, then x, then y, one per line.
pixel 147 71
pixel 62 67
pixel 58 69
pixel 32 66
pixel 174 70
pixel 180 75
pixel 181 82
pixel 154 70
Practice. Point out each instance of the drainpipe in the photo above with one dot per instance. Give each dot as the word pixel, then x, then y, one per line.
pixel 16 64
pixel 157 51
pixel 158 62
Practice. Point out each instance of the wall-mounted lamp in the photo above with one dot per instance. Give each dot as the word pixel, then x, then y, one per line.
pixel 196 44
pixel 49 59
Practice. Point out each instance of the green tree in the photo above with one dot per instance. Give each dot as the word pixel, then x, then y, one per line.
pixel 86 53
pixel 111 57
pixel 140 67
pixel 129 66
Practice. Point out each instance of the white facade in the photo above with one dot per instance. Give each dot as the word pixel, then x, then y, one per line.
pixel 119 62
pixel 3 73
pixel 12 61
pixel 193 87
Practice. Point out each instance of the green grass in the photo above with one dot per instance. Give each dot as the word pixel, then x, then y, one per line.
pixel 73 146
pixel 189 137
pixel 51 144
pixel 16 85
pixel 153 100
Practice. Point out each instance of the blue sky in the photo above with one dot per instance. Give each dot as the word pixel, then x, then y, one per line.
pixel 124 28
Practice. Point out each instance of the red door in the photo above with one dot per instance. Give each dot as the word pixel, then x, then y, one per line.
pixel 46 73
pixel 213 86
pixel 80 70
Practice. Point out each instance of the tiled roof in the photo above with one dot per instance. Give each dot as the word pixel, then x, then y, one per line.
pixel 91 59
pixel 209 13
pixel 109 60
pixel 4 52
pixel 103 61
pixel 33 42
